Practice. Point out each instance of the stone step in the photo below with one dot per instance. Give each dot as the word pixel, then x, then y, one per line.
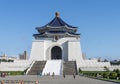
pixel 37 68
pixel 69 67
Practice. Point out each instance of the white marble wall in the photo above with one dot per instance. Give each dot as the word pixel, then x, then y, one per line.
pixel 17 65
pixel 37 51
pixel 41 49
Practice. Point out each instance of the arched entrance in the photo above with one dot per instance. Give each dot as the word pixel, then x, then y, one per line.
pixel 56 53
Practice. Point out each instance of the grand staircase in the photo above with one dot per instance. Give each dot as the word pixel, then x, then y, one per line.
pixel 57 66
pixel 37 68
pixel 69 67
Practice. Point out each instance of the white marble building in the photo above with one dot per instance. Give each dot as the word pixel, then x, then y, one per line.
pixel 57 40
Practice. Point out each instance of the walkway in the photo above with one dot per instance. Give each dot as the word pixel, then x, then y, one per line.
pixel 53 80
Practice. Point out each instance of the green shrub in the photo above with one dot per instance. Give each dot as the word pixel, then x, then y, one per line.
pixel 113 75
pixel 13 72
pixel 16 73
pixel 118 74
pixel 80 71
pixel 116 70
pixel 106 74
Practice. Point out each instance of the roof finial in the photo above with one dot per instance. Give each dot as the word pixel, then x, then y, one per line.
pixel 57 14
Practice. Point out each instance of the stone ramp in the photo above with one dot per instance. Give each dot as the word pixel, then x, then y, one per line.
pixel 53 66
pixel 37 68
pixel 69 67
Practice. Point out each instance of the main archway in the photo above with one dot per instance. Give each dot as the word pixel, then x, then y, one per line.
pixel 56 53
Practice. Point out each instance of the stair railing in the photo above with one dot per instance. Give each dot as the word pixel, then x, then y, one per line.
pixel 30 67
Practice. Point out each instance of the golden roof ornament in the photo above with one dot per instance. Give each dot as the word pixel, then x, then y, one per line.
pixel 57 14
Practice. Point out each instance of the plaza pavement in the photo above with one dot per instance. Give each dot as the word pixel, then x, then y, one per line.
pixel 31 79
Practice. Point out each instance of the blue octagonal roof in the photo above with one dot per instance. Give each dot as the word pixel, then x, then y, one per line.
pixel 57 22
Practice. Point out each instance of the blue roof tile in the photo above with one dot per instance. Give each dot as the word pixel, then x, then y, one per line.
pixel 57 22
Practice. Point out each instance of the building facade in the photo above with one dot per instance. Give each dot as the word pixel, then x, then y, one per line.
pixel 57 40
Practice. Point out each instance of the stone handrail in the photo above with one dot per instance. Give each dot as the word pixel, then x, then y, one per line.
pixel 30 67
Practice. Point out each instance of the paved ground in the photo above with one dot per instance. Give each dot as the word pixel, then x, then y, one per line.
pixel 52 80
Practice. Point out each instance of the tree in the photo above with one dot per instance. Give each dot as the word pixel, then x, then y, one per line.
pixel 106 68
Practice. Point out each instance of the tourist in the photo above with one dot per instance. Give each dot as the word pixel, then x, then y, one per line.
pixel 74 75
pixel 53 74
pixel 64 75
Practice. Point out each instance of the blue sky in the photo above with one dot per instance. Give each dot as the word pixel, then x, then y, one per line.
pixel 98 21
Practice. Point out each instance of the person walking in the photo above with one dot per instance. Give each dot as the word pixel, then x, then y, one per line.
pixel 74 75
pixel 64 75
